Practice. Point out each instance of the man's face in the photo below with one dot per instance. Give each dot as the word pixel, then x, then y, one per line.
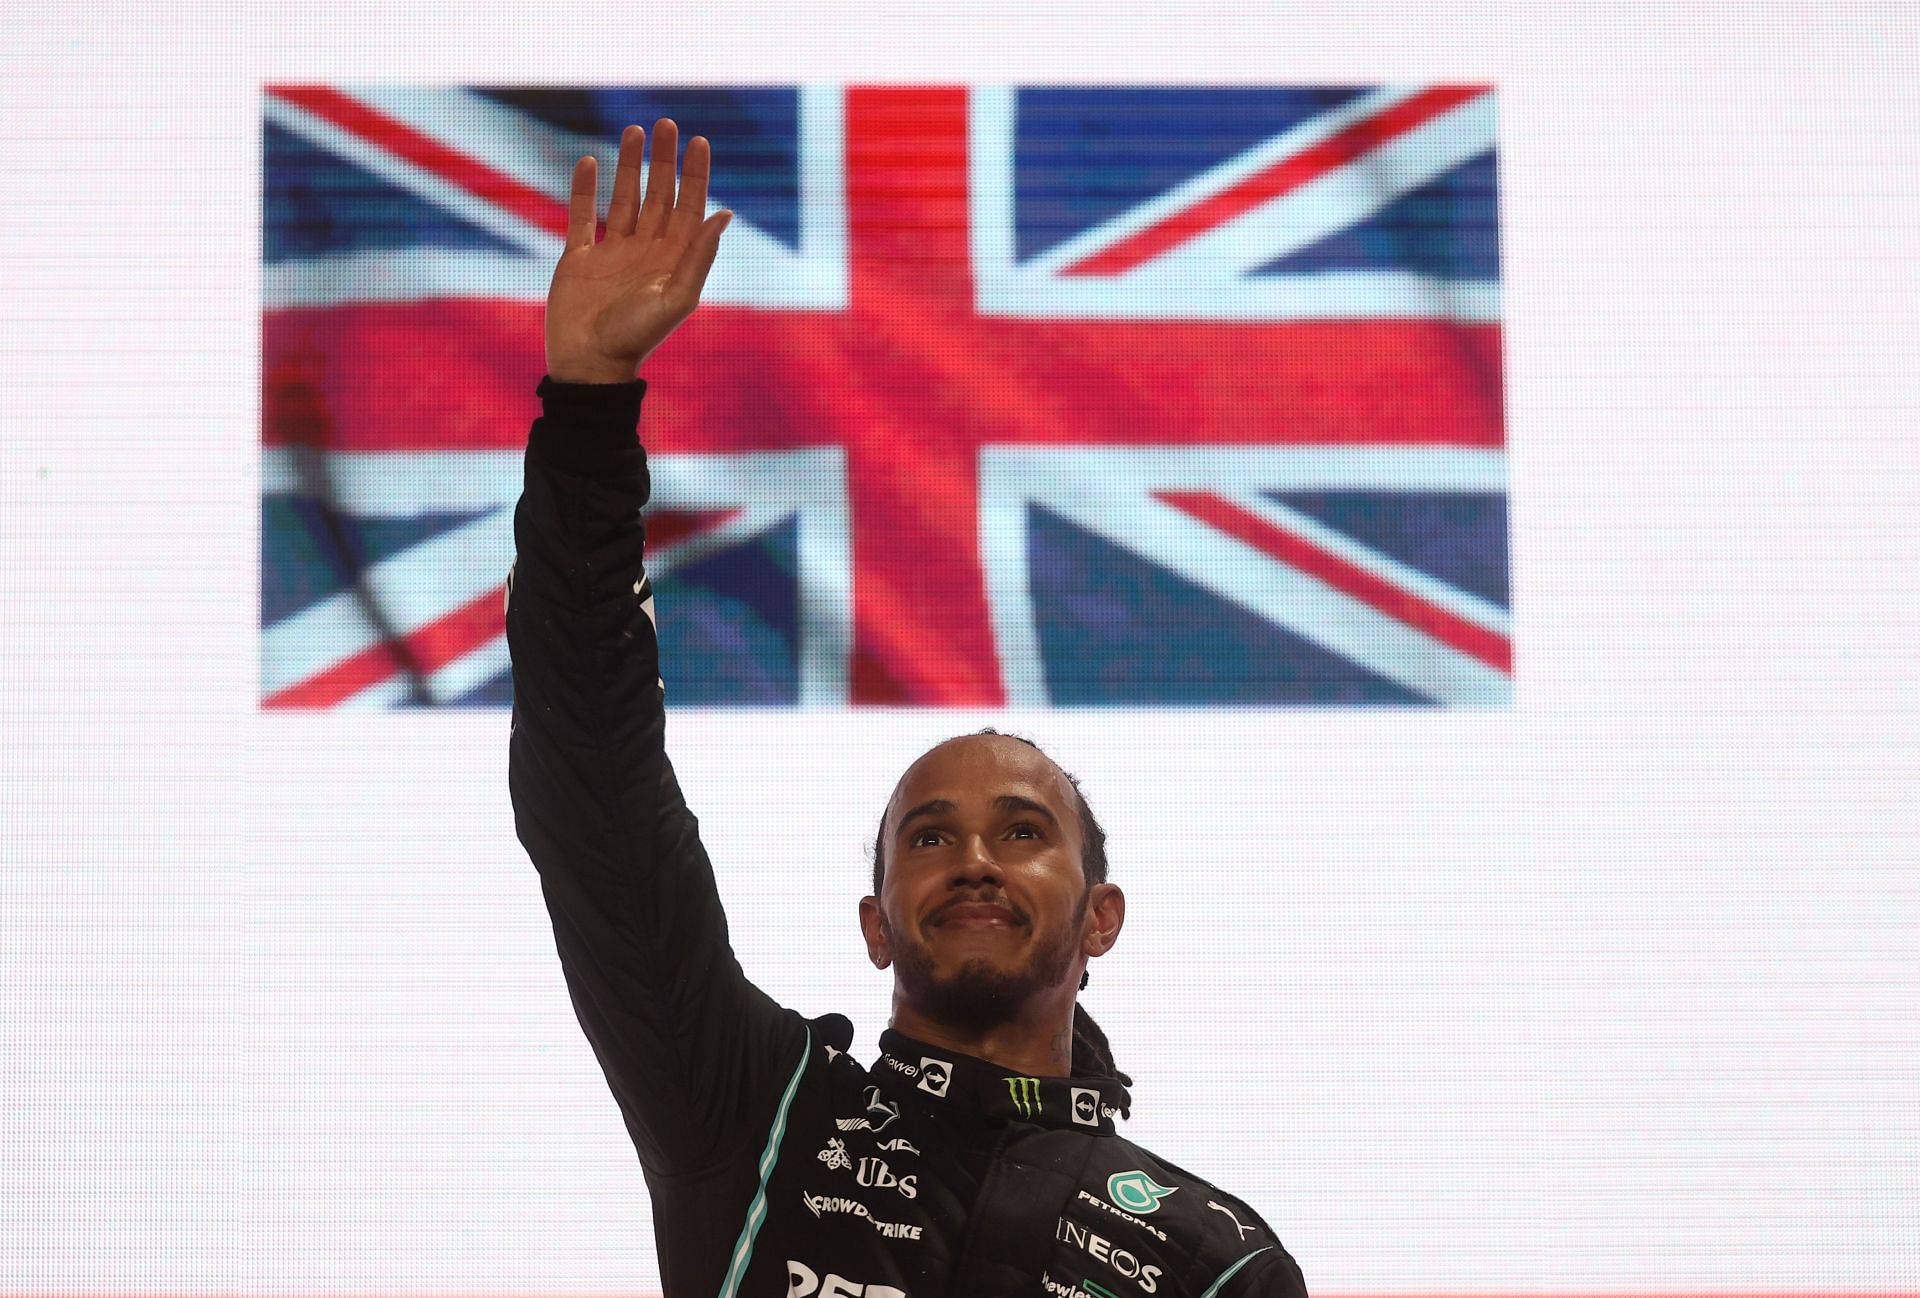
pixel 983 903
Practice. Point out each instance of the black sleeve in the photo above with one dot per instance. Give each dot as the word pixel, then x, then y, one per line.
pixel 696 1055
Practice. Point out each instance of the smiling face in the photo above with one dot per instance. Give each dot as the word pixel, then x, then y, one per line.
pixel 983 904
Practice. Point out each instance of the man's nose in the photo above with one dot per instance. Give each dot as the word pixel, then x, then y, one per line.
pixel 977 859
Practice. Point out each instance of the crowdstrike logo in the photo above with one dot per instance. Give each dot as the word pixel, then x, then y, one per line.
pixel 1137 1192
pixel 935 1076
pixel 1086 1106
pixel 822 1204
pixel 1026 1095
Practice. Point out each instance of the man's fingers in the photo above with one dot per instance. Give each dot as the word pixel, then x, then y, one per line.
pixel 580 205
pixel 626 183
pixel 659 205
pixel 691 208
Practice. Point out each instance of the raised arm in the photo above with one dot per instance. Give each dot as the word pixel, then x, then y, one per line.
pixel 692 1050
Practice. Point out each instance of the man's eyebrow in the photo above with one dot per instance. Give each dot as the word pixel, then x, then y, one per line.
pixel 1005 802
pixel 932 808
pixel 1014 802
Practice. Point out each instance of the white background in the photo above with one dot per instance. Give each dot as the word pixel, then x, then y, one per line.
pixel 1612 992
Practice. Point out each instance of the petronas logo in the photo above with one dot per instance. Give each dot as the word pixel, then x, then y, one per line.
pixel 1026 1095
pixel 1137 1192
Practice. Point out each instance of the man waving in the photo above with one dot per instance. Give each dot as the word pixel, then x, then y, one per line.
pixel 978 1155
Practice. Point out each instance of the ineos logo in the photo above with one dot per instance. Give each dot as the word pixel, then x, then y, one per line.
pixel 935 1074
pixel 1095 1245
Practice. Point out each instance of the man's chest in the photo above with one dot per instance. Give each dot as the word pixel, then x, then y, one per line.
pixel 878 1194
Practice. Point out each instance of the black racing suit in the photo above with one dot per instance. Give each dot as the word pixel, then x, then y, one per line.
pixel 779 1165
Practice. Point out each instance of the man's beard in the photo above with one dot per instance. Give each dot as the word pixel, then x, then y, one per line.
pixel 981 993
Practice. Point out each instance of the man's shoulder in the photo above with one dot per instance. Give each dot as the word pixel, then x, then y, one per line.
pixel 1223 1223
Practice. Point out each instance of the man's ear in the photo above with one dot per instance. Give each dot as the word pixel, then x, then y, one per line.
pixel 874 926
pixel 1106 913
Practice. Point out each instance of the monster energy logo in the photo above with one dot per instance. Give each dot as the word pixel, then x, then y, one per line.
pixel 1026 1095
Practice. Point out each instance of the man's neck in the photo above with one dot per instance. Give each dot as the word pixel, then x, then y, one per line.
pixel 1040 1045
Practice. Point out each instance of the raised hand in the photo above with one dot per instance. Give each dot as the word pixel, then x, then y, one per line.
pixel 611 303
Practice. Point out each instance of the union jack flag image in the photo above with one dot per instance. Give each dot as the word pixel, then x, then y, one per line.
pixel 1068 396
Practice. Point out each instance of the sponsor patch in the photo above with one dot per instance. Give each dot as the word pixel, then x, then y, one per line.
pixel 1221 1207
pixel 876 1173
pixel 1025 1093
pixel 824 1205
pixel 935 1076
pixel 804 1282
pixel 835 1155
pixel 1128 1217
pixel 1137 1192
pixel 880 1111
pixel 1097 1246
pixel 1086 1106
pixel 881 1114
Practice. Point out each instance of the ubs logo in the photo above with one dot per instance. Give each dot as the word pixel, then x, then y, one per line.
pixel 876 1173
pixel 935 1076
pixel 1086 1106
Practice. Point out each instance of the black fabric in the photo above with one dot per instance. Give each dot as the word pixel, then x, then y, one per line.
pixel 778 1164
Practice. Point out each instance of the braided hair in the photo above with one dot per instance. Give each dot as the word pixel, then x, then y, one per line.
pixel 1092 1056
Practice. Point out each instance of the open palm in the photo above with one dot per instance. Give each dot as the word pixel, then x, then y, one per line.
pixel 611 303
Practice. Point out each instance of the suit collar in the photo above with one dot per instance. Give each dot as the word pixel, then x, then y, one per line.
pixel 1078 1103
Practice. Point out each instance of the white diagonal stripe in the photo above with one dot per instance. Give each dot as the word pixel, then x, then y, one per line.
pixel 1215 180
pixel 757 268
pixel 432 578
pixel 1108 492
pixel 1463 604
pixel 425 184
pixel 1335 201
pixel 1210 282
pixel 414 588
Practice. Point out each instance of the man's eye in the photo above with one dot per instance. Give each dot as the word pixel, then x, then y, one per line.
pixel 1024 827
pixel 924 837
